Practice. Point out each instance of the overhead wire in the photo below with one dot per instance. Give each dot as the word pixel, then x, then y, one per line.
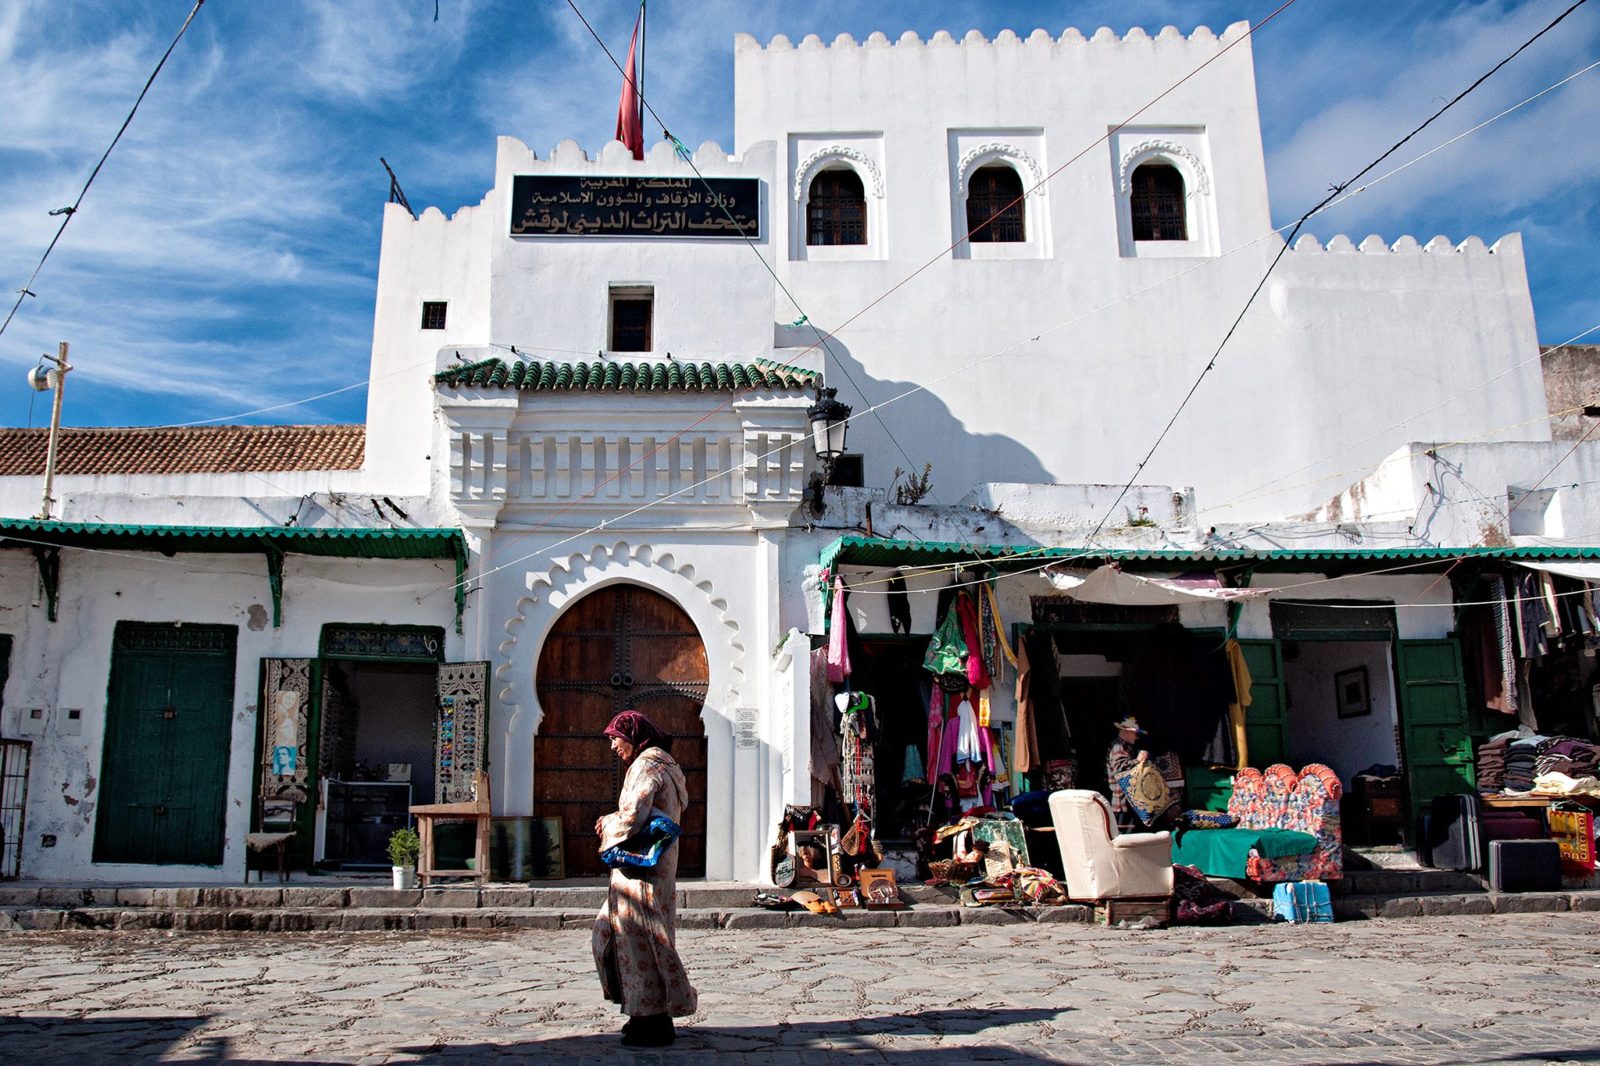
pixel 68 213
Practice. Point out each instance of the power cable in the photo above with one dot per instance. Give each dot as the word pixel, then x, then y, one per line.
pixel 67 213
pixel 1336 191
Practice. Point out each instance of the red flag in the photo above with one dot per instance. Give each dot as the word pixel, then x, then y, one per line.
pixel 630 121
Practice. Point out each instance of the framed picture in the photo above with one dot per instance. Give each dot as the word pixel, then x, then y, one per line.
pixel 1350 693
pixel 275 811
pixel 879 889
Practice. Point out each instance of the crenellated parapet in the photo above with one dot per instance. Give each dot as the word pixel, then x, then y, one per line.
pixel 1070 37
pixel 1373 244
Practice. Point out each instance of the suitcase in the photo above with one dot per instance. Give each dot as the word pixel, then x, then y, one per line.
pixel 1508 825
pixel 1454 837
pixel 1302 901
pixel 1524 866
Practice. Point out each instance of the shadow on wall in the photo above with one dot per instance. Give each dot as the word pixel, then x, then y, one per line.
pixel 963 459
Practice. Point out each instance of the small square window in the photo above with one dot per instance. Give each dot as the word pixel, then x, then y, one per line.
pixel 433 312
pixel 632 312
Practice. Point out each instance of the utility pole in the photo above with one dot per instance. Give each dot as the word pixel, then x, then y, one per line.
pixel 51 379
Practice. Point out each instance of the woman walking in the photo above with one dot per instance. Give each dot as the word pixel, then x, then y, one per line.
pixel 635 936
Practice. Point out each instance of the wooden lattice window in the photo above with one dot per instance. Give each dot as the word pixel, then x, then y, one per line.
pixel 994 205
pixel 1157 204
pixel 836 212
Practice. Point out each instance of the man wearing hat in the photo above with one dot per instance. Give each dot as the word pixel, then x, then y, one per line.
pixel 1123 755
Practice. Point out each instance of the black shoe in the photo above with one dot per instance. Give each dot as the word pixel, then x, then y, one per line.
pixel 648 1030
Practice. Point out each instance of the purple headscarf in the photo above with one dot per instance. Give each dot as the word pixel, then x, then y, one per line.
pixel 639 731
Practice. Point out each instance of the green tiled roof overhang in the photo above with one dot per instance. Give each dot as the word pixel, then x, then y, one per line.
pixel 606 376
pixel 46 539
pixel 873 551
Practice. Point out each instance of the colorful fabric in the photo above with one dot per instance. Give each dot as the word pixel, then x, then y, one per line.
pixel 1208 819
pixel 1242 683
pixel 856 762
pixel 977 671
pixel 1230 852
pixel 1306 803
pixel 635 934
pixel 1145 791
pixel 838 645
pixel 645 850
pixel 947 650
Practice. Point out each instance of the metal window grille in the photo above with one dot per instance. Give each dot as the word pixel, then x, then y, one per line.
pixel 1157 204
pixel 14 755
pixel 837 210
pixel 994 206
pixel 630 323
pixel 433 314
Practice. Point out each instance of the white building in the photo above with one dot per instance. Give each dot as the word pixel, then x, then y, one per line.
pixel 635 525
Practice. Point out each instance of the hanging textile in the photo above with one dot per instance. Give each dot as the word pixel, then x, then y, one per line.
pixel 857 725
pixel 947 651
pixel 967 746
pixel 977 672
pixel 838 643
pixel 1239 708
pixel 935 732
pixel 899 605
pixel 992 601
pixel 1505 648
pixel 824 741
pixel 1026 755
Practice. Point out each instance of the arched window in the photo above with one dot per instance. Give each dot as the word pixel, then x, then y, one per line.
pixel 1157 203
pixel 994 205
pixel 836 212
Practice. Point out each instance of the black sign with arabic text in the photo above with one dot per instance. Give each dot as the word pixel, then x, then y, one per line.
pixel 596 206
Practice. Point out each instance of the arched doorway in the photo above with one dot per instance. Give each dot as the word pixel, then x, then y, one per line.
pixel 618 647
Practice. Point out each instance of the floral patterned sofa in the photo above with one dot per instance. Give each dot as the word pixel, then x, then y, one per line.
pixel 1307 802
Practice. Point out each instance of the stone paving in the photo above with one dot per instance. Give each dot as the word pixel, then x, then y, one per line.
pixel 1515 988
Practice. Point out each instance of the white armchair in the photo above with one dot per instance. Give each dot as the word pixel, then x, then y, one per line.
pixel 1099 862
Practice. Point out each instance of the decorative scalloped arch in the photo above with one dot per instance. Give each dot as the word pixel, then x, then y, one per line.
pixel 1187 161
pixel 987 153
pixel 859 161
pixel 549 593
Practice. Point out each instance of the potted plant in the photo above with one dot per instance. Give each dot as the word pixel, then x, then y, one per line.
pixel 404 847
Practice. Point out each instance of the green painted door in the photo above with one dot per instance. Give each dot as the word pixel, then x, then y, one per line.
pixel 1433 719
pixel 1264 721
pixel 164 770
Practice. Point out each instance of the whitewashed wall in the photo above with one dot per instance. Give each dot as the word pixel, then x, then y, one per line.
pixel 66 665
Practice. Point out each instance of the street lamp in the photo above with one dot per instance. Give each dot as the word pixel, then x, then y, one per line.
pixel 830 421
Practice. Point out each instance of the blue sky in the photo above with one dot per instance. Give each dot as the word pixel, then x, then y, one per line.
pixel 226 258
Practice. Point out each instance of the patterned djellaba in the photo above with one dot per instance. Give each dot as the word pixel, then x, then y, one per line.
pixel 458 749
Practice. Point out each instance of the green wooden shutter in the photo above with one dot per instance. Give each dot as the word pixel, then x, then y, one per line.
pixel 1433 719
pixel 1265 720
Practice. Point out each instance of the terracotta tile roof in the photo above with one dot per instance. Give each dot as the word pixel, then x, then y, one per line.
pixel 607 376
pixel 189 450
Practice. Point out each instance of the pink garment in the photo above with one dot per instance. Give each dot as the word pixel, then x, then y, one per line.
pixel 838 649
pixel 935 733
pixel 977 672
pixel 949 741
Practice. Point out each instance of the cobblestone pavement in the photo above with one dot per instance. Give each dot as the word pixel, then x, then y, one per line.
pixel 1502 989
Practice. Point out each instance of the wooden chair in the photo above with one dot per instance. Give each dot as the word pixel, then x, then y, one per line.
pixel 476 811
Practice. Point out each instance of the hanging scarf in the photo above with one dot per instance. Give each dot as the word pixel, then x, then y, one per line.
pixel 947 651
pixel 838 649
pixel 977 672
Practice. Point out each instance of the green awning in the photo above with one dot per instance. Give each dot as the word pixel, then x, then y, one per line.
pixel 880 551
pixel 47 538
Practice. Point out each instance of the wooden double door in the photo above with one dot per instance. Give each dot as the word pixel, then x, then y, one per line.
pixel 169 723
pixel 619 648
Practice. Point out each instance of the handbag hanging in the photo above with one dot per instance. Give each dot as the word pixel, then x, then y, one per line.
pixel 644 849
